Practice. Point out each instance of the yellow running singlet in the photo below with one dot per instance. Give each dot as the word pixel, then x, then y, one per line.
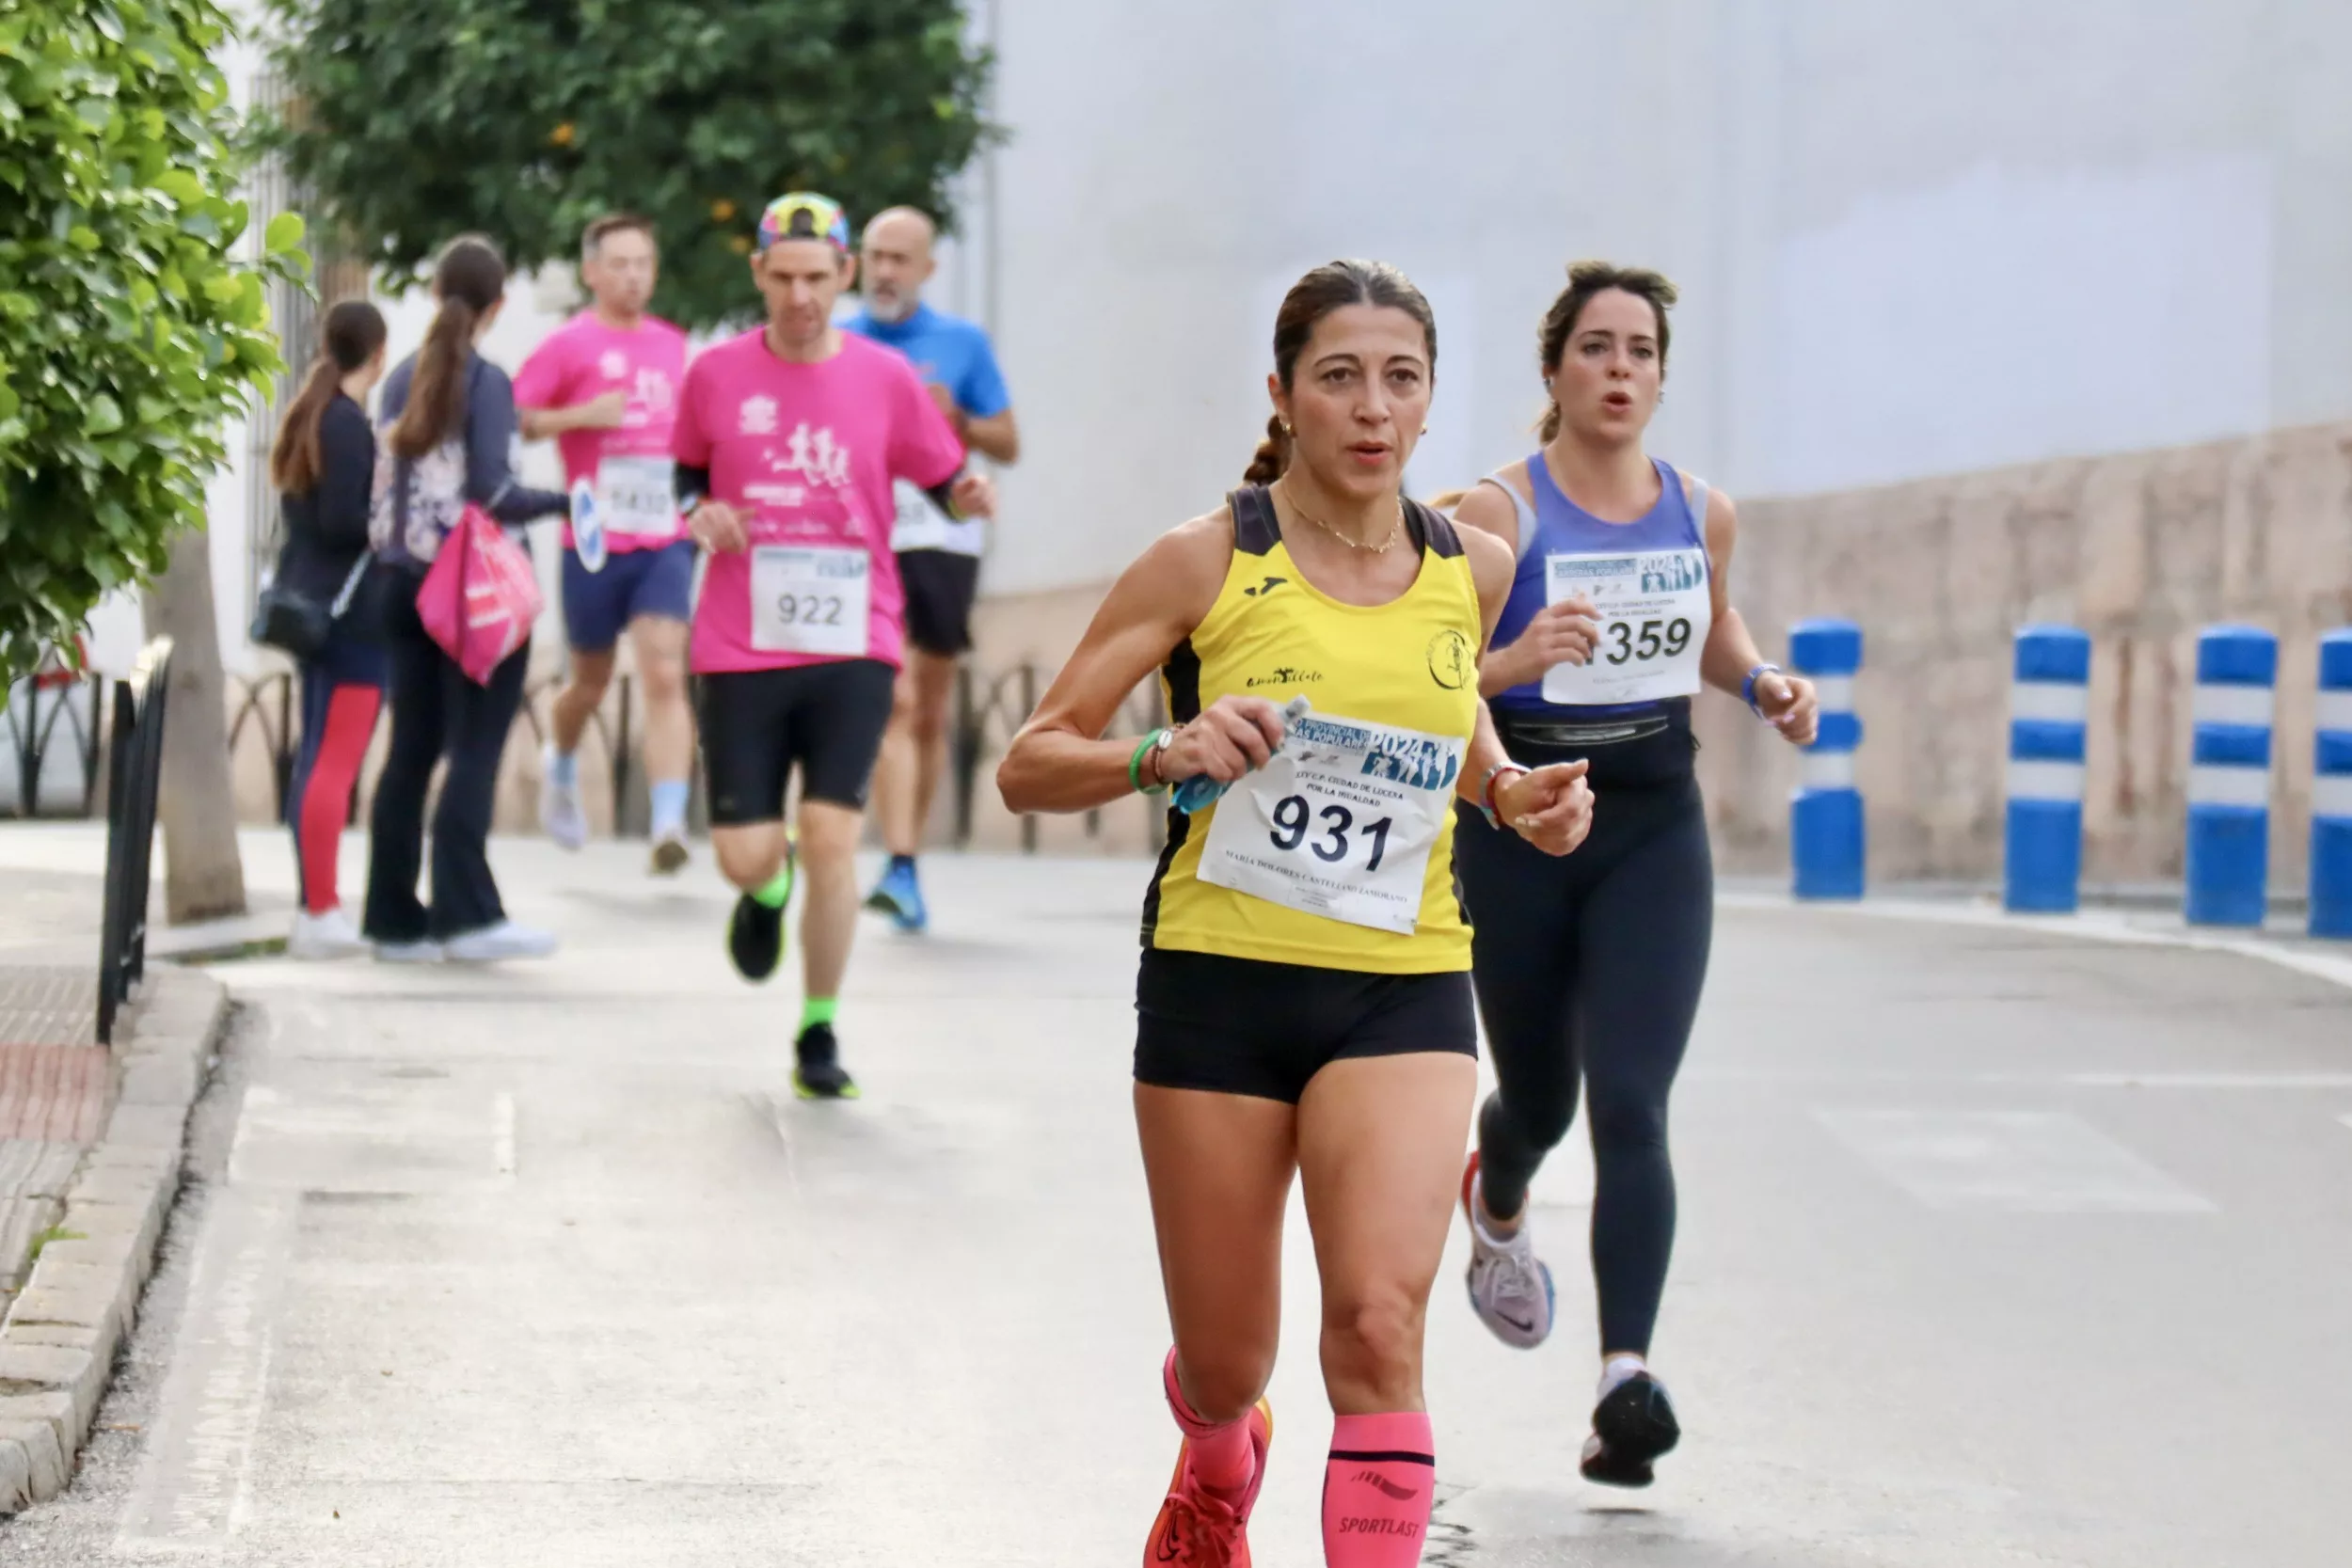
pixel 1339 854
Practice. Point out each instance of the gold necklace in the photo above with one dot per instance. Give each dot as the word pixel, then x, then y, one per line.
pixel 1397 529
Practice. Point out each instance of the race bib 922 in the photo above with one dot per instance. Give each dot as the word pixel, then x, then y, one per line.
pixel 810 600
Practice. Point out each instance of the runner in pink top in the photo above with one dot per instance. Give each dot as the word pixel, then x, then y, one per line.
pixel 807 453
pixel 789 439
pixel 590 369
pixel 605 384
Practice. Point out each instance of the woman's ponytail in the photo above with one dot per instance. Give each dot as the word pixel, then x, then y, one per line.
pixel 1273 455
pixel 436 390
pixel 350 334
pixel 469 280
pixel 294 458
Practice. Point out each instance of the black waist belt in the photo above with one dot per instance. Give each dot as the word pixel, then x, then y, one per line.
pixel 1639 727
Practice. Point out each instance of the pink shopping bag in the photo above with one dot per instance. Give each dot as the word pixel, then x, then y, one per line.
pixel 481 596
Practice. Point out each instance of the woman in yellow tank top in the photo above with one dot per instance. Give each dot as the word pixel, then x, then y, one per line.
pixel 1303 1003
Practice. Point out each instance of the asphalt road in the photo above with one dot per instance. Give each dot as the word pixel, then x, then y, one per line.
pixel 1998 1247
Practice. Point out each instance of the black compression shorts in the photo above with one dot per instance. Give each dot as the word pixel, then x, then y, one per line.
pixel 758 724
pixel 940 586
pixel 1253 1027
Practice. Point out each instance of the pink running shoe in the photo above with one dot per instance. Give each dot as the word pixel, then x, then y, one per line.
pixel 1197 1529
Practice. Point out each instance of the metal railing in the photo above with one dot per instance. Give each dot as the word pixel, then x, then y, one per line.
pixel 991 711
pixel 52 707
pixel 134 762
pixel 266 709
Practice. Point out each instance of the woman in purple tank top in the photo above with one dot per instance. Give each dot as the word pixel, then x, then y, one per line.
pixel 1619 613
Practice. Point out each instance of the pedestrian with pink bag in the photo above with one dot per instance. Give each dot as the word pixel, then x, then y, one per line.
pixel 446 517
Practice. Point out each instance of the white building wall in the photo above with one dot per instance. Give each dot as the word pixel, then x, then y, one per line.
pixel 1915 236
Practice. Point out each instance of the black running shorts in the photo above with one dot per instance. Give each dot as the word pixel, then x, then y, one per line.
pixel 758 725
pixel 941 586
pixel 1247 1026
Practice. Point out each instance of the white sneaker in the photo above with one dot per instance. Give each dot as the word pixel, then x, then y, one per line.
pixel 420 952
pixel 1510 1289
pixel 560 811
pixel 329 934
pixel 493 944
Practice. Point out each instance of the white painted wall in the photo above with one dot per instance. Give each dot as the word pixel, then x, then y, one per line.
pixel 1915 236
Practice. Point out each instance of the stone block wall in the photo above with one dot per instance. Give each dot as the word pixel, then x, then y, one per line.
pixel 2139 548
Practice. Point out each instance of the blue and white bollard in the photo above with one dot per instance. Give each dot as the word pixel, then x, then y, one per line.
pixel 2049 713
pixel 1826 832
pixel 2228 777
pixel 2331 791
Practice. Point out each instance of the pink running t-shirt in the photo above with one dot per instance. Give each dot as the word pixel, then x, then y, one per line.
pixel 581 360
pixel 807 453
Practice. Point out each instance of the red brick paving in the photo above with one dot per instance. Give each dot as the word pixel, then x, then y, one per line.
pixel 54 1093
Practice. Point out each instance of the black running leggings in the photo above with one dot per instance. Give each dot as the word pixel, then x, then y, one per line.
pixel 1590 965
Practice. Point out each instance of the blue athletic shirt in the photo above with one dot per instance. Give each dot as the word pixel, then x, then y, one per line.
pixel 949 351
pixel 1648 577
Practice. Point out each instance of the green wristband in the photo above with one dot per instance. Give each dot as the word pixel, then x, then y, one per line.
pixel 1134 765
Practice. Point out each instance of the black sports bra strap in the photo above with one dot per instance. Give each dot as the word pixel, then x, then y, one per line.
pixel 1432 531
pixel 1256 532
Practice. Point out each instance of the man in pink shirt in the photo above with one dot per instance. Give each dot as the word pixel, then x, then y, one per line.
pixel 789 439
pixel 605 384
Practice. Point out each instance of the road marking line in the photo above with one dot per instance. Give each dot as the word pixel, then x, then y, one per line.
pixel 2009 1162
pixel 2092 925
pixel 2019 1080
pixel 195 1484
pixel 502 1135
pixel 2211 1079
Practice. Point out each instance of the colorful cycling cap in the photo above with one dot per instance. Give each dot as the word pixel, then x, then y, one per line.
pixel 805 215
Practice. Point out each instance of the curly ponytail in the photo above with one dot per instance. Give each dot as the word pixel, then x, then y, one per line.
pixel 1274 454
pixel 1332 286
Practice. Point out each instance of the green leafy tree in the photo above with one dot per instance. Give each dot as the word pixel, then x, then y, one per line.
pixel 523 119
pixel 130 331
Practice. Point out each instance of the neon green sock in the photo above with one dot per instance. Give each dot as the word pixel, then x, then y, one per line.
pixel 817 1010
pixel 779 888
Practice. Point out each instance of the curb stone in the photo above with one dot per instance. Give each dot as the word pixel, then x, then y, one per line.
pixel 80 1301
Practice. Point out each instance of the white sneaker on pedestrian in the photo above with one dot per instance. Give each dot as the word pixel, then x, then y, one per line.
pixel 424 951
pixel 560 811
pixel 493 944
pixel 1510 1289
pixel 329 934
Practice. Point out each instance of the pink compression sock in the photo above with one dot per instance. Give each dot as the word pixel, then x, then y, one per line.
pixel 1219 1452
pixel 1376 1491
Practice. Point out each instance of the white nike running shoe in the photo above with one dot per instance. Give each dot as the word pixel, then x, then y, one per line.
pixel 560 811
pixel 1510 1289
